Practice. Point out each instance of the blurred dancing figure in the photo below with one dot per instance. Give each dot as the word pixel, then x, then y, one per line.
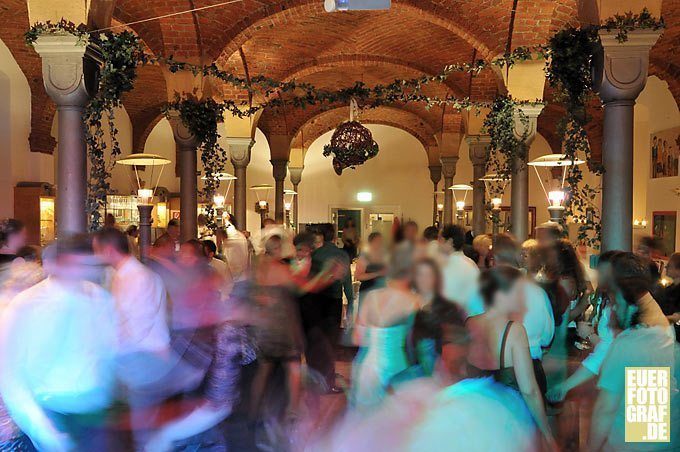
pixel 383 324
pixel 461 274
pixel 600 332
pixel 644 342
pixel 278 332
pixel 371 268
pixel 143 335
pixel 57 354
pixel 499 346
pixel 12 239
pixel 427 282
pixel 329 305
pixel 537 317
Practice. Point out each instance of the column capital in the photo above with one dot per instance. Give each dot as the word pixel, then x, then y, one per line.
pixel 478 146
pixel 527 128
pixel 70 68
pixel 435 173
pixel 185 140
pixel 620 68
pixel 295 174
pixel 239 150
pixel 449 166
pixel 279 168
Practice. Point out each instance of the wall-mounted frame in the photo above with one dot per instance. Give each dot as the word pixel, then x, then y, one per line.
pixel 664 228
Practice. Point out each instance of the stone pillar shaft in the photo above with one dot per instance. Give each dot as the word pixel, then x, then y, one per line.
pixel 71 199
pixel 479 149
pixel 144 230
pixel 435 177
pixel 295 179
pixel 519 192
pixel 279 171
pixel 617 180
pixel 188 194
pixel 449 171
pixel 69 69
pixel 620 74
pixel 186 145
pixel 239 149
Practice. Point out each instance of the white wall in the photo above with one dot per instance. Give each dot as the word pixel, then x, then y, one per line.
pixel 397 177
pixel 655 111
pixel 18 163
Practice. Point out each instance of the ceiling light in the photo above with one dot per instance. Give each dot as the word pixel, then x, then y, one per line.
pixel 355 5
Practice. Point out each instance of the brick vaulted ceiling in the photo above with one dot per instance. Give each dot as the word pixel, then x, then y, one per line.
pixel 288 39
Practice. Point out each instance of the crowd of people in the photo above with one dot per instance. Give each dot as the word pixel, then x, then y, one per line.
pixel 458 342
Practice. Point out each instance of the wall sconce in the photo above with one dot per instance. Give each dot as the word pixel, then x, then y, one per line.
pixel 496 203
pixel 639 223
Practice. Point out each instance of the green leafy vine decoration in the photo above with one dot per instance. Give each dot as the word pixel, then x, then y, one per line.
pixel 568 58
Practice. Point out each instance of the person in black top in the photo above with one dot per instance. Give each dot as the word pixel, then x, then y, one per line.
pixel 321 357
pixel 12 239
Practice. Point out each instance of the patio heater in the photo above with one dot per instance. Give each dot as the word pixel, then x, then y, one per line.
pixel 288 198
pixel 554 183
pixel 494 185
pixel 439 215
pixel 460 192
pixel 147 162
pixel 220 198
pixel 262 204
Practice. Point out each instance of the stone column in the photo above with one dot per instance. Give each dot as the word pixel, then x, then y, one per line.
pixel 619 75
pixel 435 177
pixel 279 171
pixel 295 179
pixel 144 230
pixel 186 145
pixel 449 171
pixel 519 194
pixel 69 69
pixel 479 152
pixel 239 150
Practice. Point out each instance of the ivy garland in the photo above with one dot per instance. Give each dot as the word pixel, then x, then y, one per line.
pixel 201 118
pixel 121 54
pixel 568 55
pixel 506 147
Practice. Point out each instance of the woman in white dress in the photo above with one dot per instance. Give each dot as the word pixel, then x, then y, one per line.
pixel 382 326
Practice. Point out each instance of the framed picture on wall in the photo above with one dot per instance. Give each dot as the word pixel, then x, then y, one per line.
pixel 664 228
pixel 665 147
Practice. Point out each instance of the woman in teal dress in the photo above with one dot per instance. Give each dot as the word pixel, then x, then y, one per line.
pixel 384 322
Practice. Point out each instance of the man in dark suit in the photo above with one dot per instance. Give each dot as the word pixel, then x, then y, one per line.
pixel 321 354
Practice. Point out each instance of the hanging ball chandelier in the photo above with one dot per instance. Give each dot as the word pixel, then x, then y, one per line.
pixel 351 145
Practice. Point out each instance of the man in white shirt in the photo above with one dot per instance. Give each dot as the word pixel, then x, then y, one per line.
pixel 146 364
pixel 139 295
pixel 460 274
pixel 220 267
pixel 57 354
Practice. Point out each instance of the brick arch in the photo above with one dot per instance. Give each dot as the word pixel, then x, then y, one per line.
pixel 287 120
pixel 479 34
pixel 328 120
pixel 342 60
pixel 176 35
